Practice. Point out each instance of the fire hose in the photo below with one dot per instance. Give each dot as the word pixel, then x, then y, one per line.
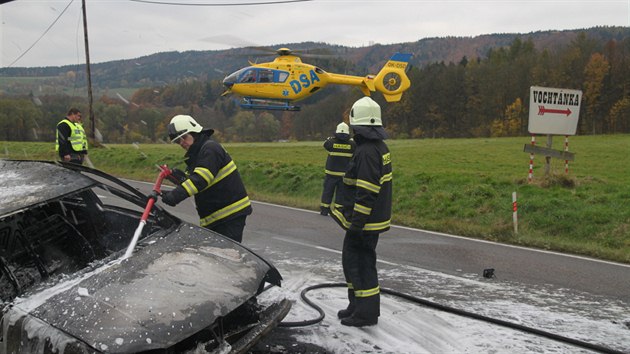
pixel 165 172
pixel 441 307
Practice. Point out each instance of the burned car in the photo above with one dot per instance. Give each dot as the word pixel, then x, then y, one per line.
pixel 66 286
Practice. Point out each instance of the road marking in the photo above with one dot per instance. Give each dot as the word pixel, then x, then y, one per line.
pixel 471 239
pixel 516 247
pixel 460 278
pixel 280 238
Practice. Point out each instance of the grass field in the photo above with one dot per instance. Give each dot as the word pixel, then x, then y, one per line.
pixel 457 186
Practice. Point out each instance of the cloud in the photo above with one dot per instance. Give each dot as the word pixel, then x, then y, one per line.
pixel 120 29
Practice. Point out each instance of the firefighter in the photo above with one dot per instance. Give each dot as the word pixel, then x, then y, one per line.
pixel 71 141
pixel 365 214
pixel 340 149
pixel 211 177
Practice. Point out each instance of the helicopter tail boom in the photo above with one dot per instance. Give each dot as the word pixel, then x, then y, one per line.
pixel 392 80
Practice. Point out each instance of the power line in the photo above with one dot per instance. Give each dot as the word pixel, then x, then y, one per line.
pixel 157 3
pixel 219 4
pixel 43 34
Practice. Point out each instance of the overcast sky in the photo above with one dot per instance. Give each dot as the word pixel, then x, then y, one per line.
pixel 50 32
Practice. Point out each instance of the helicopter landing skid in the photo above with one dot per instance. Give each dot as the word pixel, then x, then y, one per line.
pixel 249 103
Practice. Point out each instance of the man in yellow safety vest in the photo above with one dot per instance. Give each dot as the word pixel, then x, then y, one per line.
pixel 71 142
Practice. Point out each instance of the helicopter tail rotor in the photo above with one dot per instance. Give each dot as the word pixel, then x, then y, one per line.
pixel 392 80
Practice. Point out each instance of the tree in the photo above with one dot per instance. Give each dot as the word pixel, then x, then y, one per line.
pixel 147 96
pixel 618 119
pixel 574 60
pixel 594 74
pixel 19 119
pixel 243 127
pixel 149 119
pixel 396 118
pixel 286 127
pixel 267 127
pixel 510 124
pixel 112 122
pixel 474 97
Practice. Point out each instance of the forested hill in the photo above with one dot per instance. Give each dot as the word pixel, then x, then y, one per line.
pixel 460 87
pixel 171 67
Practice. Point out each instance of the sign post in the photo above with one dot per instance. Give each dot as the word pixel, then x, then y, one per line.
pixel 514 213
pixel 552 111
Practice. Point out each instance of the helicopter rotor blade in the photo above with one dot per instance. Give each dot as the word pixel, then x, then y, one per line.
pixel 245 48
pixel 263 52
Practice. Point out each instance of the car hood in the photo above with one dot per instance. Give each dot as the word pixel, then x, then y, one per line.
pixel 152 300
pixel 28 183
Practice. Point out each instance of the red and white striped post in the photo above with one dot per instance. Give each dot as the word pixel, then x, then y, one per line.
pixel 514 213
pixel 531 161
pixel 566 149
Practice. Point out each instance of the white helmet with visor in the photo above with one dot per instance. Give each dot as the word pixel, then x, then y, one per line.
pixel 181 125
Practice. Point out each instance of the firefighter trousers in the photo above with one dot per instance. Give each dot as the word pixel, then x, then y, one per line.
pixel 359 267
pixel 332 187
pixel 232 228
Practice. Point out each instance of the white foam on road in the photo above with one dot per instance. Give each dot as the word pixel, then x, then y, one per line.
pixel 405 327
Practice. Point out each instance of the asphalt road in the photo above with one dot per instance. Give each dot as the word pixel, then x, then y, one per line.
pixel 295 238
pixel 448 254
pixel 302 231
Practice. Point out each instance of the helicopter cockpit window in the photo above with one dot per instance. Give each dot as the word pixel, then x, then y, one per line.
pixel 248 76
pixel 257 75
pixel 282 76
pixel 265 76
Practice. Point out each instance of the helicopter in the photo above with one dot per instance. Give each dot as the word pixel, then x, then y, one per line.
pixel 278 84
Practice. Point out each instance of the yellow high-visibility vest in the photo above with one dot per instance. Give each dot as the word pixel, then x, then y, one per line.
pixel 78 138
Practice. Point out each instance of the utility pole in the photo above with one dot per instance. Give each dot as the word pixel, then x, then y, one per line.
pixel 89 74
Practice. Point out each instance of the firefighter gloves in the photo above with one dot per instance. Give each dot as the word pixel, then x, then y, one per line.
pixel 173 197
pixel 177 176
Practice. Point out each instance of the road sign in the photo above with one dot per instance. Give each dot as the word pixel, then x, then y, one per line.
pixel 553 110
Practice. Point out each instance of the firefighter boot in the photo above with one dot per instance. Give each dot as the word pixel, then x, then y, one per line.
pixel 366 312
pixel 347 312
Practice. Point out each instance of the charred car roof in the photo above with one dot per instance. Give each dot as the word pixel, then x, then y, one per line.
pixel 28 183
pixel 66 289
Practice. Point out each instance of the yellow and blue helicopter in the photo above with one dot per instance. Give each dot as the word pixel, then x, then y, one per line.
pixel 276 85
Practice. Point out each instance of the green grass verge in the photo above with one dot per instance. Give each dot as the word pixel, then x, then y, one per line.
pixel 457 186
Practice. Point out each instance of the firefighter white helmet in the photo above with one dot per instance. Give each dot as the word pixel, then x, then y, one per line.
pixel 342 128
pixel 366 112
pixel 181 125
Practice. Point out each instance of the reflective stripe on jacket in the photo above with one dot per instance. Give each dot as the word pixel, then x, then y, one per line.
pixel 369 186
pixel 215 182
pixel 339 155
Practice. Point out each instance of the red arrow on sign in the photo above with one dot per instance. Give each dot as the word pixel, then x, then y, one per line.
pixel 542 110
